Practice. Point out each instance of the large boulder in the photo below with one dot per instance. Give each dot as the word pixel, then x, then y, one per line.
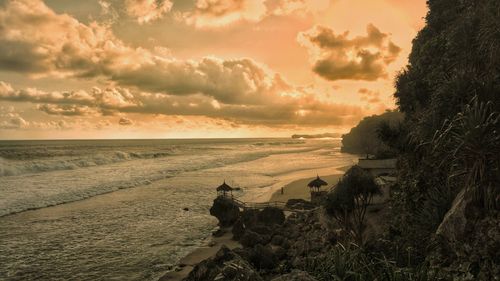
pixel 261 222
pixel 225 210
pixel 250 239
pixel 271 215
pixel 224 266
pixel 295 275
pixel 459 220
pixel 263 257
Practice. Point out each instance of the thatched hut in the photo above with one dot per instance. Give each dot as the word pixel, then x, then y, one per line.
pixel 224 189
pixel 316 184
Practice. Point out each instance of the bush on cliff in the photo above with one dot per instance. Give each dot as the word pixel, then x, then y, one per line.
pixel 348 202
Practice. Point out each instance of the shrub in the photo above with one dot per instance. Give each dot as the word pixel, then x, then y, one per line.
pixel 348 202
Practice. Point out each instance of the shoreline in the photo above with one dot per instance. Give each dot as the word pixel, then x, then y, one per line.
pixel 186 264
pixel 296 189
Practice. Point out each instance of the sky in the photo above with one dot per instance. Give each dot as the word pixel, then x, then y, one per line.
pixel 198 68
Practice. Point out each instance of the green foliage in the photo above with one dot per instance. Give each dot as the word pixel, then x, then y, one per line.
pixel 363 139
pixel 353 264
pixel 473 141
pixel 347 203
pixel 449 140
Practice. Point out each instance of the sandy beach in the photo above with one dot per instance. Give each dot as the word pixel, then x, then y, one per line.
pixel 295 190
pixel 298 189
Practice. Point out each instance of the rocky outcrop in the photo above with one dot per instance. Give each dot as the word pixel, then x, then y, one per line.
pixel 271 215
pixel 469 242
pixel 454 224
pixel 226 265
pixel 272 245
pixel 225 210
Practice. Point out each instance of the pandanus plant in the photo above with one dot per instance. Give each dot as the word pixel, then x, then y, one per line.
pixel 471 143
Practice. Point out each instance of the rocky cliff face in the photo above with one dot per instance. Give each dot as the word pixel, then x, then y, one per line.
pixel 469 242
pixel 225 210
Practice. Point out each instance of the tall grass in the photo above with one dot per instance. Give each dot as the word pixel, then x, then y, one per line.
pixel 353 264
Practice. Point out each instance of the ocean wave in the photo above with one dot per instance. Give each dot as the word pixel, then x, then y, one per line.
pixel 9 167
pixel 38 183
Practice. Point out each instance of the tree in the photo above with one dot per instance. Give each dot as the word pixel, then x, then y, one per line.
pixel 348 202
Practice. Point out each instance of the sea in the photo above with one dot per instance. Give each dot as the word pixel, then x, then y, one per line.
pixel 131 209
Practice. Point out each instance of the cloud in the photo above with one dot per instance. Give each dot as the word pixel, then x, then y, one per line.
pixel 72 103
pixel 369 96
pixel 66 109
pixel 34 40
pixel 58 45
pixel 301 108
pixel 125 122
pixel 220 13
pixel 289 7
pixel 145 11
pixel 216 13
pixel 337 57
pixel 13 123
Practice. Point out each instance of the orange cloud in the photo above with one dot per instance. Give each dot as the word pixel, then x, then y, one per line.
pixel 336 57
pixel 146 82
pixel 300 109
pixel 369 96
pixel 145 11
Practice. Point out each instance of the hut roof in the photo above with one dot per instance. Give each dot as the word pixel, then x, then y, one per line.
pixel 317 182
pixel 224 187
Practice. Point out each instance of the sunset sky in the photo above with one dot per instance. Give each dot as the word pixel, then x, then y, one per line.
pixel 198 68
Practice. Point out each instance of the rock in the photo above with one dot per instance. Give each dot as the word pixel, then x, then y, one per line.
pixel 249 217
pixel 300 204
pixel 459 220
pixel 225 265
pixel 225 210
pixel 238 229
pixel 250 239
pixel 262 229
pixel 295 275
pixel 263 257
pixel 271 215
pixel 186 209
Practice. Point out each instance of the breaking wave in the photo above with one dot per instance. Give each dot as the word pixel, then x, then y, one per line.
pixel 10 167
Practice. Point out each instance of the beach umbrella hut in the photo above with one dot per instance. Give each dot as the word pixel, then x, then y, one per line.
pixel 223 189
pixel 316 184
